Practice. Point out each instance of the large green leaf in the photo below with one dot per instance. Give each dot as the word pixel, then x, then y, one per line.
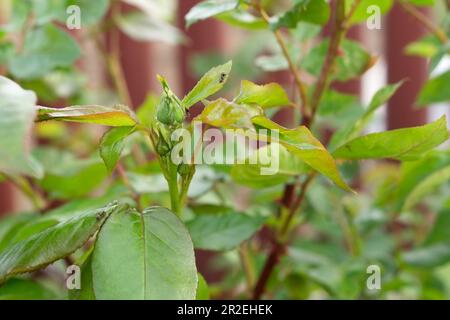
pixel 72 209
pixel 144 256
pixel 265 96
pixel 117 116
pixel 52 244
pixel 301 143
pixel 312 11
pixel 208 85
pixel 17 111
pixel 209 8
pixel 112 145
pixel 403 144
pixel 221 232
pixel 45 49
pixel 435 90
pixel 352 62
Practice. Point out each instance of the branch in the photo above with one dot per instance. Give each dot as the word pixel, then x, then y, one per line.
pixel 341 27
pixel 296 205
pixel 273 259
pixel 422 18
pixel 247 265
pixel 292 66
pixel 279 244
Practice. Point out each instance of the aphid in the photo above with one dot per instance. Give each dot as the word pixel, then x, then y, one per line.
pixel 223 76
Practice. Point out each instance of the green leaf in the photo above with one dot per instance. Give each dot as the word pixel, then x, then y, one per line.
pixel 301 143
pixel 138 26
pixel 382 96
pixel 353 130
pixel 91 11
pixel 209 8
pixel 435 250
pixel 45 11
pixel 21 289
pixel 202 290
pixel 266 96
pixel 67 176
pixel 208 85
pixel 435 90
pixel 402 144
pixel 243 19
pixel 7 52
pixel 52 244
pixel 45 49
pixel 426 47
pixel 422 2
pixel 414 172
pixel 362 12
pixel 112 145
pixel 10 225
pixel 144 256
pixel 251 174
pixel 146 113
pixel 17 111
pixel 440 233
pixel 117 116
pixel 426 186
pixel 312 11
pixel 351 63
pixel 222 113
pixel 429 256
pixel 73 209
pixel 86 291
pixel 222 232
pixel 305 31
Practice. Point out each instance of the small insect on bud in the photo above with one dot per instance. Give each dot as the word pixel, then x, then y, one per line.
pixel 169 112
pixel 184 169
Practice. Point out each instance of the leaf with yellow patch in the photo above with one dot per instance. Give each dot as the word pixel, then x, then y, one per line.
pixel 117 116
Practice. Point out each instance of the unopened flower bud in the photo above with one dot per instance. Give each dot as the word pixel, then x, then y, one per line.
pixel 169 112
